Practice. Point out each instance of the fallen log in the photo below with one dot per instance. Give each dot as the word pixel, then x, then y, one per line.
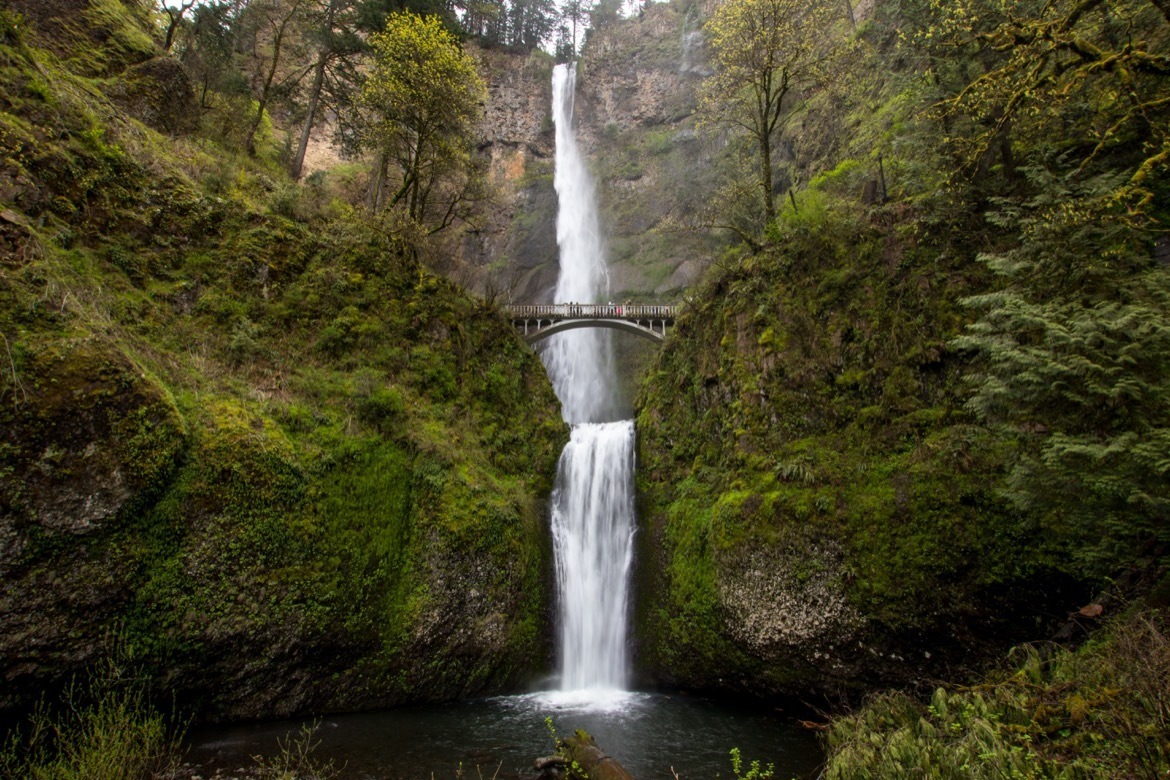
pixel 586 760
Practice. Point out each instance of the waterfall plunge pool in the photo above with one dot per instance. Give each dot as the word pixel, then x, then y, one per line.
pixel 648 733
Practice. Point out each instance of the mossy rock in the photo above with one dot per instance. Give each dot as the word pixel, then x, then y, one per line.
pixel 820 514
pixel 99 37
pixel 86 441
pixel 159 94
pixel 313 523
pixel 89 439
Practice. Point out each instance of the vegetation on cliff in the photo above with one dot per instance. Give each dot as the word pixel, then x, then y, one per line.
pixel 927 417
pixel 241 428
pixel 922 414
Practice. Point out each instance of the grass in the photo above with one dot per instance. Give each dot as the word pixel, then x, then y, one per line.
pixel 295 758
pixel 104 729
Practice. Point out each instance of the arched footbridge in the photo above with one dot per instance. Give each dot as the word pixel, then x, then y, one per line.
pixel 536 322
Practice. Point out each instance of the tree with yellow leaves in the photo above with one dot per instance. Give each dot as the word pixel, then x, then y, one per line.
pixel 420 103
pixel 763 51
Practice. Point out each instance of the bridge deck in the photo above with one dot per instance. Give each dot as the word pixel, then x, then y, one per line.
pixel 593 311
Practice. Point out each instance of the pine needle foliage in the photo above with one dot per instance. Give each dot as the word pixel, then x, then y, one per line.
pixel 1076 365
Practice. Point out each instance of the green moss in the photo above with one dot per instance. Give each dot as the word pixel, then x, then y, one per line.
pixel 328 447
pixel 807 402
pixel 126 24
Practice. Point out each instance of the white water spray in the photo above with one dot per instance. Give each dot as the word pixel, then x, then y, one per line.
pixel 580 362
pixel 593 503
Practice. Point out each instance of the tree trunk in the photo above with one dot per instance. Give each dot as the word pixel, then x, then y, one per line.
pixel 766 180
pixel 315 90
pixel 377 182
pixel 266 91
pixel 298 163
pixel 176 17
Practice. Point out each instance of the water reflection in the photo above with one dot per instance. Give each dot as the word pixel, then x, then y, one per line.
pixel 648 733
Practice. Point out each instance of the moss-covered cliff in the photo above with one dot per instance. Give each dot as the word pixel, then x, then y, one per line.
pixel 819 511
pixel 243 436
pixel 824 508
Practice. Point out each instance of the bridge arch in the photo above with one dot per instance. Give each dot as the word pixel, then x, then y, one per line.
pixel 644 331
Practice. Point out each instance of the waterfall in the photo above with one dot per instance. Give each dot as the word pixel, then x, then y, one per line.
pixel 593 502
pixel 593 510
pixel 579 362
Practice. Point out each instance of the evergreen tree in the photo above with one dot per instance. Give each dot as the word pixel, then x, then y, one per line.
pixel 1076 366
pixel 206 47
pixel 1071 99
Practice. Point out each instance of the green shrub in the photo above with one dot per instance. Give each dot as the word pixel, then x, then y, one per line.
pixel 431 373
pixel 295 758
pixel 104 729
pixel 383 408
pixel 245 345
pixel 1101 711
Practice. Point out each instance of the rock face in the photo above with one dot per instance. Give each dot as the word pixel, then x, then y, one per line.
pixel 276 467
pixel 637 84
pixel 635 105
pixel 781 604
pixel 93 436
pixel 97 38
pixel 641 72
pixel 206 548
pixel 516 246
pixel 158 93
pixel 88 439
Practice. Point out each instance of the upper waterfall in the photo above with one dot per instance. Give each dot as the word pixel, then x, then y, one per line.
pixel 580 363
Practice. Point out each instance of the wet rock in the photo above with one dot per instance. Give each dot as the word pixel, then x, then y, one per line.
pixel 782 602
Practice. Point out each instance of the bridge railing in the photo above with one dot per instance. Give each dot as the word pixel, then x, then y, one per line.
pixel 560 311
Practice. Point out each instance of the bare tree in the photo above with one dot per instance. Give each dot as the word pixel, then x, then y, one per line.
pixel 276 18
pixel 175 15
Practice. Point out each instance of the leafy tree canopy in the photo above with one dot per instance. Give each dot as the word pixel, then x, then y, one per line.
pixel 421 102
pixel 762 51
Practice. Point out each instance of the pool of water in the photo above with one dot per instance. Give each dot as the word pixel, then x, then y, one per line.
pixel 653 735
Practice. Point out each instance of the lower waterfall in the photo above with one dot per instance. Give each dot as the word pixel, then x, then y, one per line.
pixel 593 528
